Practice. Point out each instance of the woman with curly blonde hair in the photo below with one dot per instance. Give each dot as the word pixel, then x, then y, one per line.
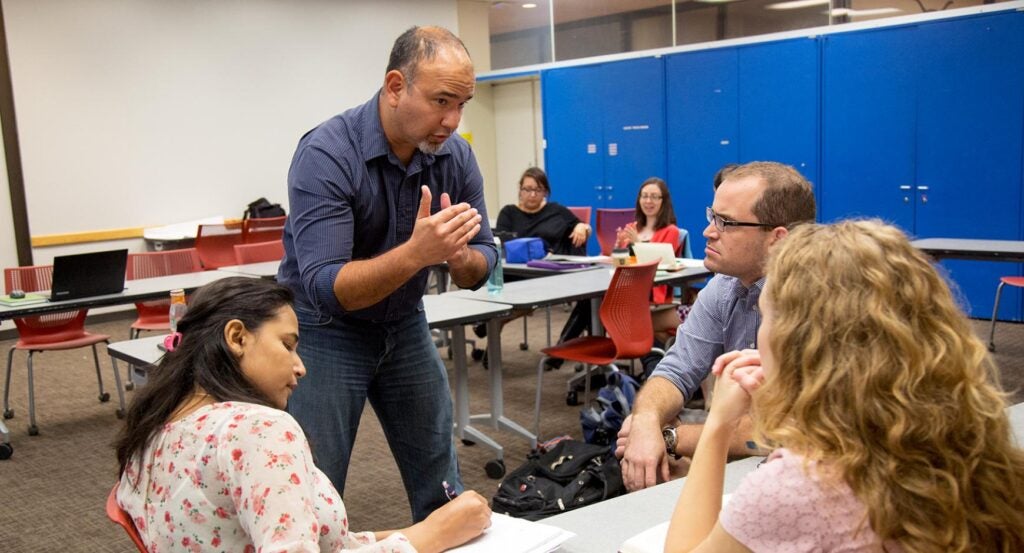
pixel 883 402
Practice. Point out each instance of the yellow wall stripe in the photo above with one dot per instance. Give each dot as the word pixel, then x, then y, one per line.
pixel 84 237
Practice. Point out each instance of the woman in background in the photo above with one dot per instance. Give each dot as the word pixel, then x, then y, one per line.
pixel 882 400
pixel 655 222
pixel 210 461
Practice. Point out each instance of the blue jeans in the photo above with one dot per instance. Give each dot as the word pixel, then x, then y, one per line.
pixel 394 365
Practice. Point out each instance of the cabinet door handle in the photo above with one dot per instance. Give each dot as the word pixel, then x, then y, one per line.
pixel 922 188
pixel 905 187
pixel 598 188
pixel 609 187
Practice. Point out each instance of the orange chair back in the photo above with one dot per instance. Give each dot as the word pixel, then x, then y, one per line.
pixel 608 221
pixel 48 328
pixel 216 244
pixel 259 252
pixel 625 311
pixel 581 213
pixel 265 229
pixel 158 264
pixel 121 517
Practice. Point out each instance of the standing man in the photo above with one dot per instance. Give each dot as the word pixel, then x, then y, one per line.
pixel 378 194
pixel 754 207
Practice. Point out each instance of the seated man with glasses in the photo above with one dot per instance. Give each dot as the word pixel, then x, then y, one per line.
pixel 755 207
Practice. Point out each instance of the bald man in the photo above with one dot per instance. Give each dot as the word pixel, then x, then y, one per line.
pixel 379 194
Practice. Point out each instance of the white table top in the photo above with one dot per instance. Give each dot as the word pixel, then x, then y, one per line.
pixel 265 269
pixel 602 527
pixel 135 290
pixel 550 290
pixel 968 248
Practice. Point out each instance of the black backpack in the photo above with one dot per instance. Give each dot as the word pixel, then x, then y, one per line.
pixel 262 209
pixel 572 475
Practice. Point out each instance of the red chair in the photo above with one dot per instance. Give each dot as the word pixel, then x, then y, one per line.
pixel 263 230
pixel 259 252
pixel 608 222
pixel 121 517
pixel 627 321
pixel 581 213
pixel 1016 282
pixel 216 244
pixel 50 332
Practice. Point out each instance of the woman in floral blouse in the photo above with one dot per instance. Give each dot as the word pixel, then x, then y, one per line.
pixel 210 462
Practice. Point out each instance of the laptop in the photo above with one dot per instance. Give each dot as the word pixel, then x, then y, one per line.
pixel 664 253
pixel 88 274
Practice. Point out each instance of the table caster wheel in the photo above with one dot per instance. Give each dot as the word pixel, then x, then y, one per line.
pixel 571 398
pixel 477 354
pixel 6 450
pixel 33 431
pixel 495 469
pixel 129 386
pixel 9 414
pixel 991 346
pixel 119 413
pixel 104 397
pixel 523 346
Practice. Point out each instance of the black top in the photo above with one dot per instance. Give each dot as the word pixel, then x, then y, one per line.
pixel 553 224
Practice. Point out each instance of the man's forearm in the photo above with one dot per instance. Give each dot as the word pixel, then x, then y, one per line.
pixel 365 282
pixel 471 271
pixel 659 397
pixel 741 443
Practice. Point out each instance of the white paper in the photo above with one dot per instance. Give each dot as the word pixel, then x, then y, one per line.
pixel 578 258
pixel 515 535
pixel 652 540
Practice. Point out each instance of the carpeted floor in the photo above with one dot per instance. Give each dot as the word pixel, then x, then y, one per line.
pixel 53 490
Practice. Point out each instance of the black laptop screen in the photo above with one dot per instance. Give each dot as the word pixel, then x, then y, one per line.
pixel 88 274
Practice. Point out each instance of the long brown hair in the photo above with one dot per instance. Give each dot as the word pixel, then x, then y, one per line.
pixel 202 360
pixel 666 215
pixel 881 378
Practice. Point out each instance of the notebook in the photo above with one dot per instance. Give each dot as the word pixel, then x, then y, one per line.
pixel 664 253
pixel 515 535
pixel 85 275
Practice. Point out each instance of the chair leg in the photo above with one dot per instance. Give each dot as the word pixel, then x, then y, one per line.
pixel 33 430
pixel 536 404
pixel 104 397
pixel 8 412
pixel 995 312
pixel 525 344
pixel 547 320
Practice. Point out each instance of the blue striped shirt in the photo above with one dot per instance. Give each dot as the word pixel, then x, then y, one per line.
pixel 724 318
pixel 351 199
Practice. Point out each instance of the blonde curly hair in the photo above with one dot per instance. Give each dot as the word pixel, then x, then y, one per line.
pixel 881 378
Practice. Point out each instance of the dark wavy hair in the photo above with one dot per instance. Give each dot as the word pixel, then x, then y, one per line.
pixel 538 175
pixel 202 360
pixel 666 215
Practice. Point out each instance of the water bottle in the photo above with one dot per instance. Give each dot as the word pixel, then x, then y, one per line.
pixel 178 308
pixel 496 281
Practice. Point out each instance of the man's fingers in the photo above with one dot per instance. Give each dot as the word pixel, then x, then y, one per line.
pixel 446 201
pixel 425 198
pixel 665 471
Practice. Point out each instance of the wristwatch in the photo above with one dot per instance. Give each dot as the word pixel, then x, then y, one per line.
pixel 669 434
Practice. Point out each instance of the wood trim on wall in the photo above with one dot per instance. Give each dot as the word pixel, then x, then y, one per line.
pixel 12 152
pixel 85 237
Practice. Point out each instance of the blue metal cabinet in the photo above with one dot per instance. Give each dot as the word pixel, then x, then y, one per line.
pixel 702 113
pixel 923 127
pixel 604 130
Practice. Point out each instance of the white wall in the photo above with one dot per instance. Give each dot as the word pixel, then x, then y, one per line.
pixel 146 112
pixel 518 131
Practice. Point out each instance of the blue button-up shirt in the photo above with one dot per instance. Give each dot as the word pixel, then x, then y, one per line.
pixel 351 198
pixel 724 318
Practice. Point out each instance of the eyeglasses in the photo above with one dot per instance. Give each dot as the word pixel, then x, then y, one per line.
pixel 721 223
pixel 531 191
pixel 653 197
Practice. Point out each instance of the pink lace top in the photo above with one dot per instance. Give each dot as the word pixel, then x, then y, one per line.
pixel 239 477
pixel 780 507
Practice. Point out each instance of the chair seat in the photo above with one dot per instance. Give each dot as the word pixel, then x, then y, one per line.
pixel 1013 281
pixel 85 339
pixel 152 323
pixel 595 350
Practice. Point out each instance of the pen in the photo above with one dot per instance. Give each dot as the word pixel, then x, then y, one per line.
pixel 449 492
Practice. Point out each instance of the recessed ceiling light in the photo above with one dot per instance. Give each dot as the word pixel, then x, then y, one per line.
pixel 530 5
pixel 796 4
pixel 839 12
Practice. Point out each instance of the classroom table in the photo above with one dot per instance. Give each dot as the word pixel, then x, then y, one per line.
pixel 441 312
pixel 602 527
pixel 263 269
pixel 965 248
pixel 541 292
pixel 142 289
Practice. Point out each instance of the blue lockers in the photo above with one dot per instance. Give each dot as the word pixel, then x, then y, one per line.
pixel 733 105
pixel 923 127
pixel 604 129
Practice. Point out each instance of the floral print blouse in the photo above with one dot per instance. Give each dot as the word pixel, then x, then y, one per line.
pixel 238 477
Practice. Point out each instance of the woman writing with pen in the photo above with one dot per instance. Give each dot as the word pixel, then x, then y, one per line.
pixel 210 461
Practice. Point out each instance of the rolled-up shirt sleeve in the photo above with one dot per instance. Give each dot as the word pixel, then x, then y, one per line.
pixel 699 341
pixel 472 192
pixel 320 197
